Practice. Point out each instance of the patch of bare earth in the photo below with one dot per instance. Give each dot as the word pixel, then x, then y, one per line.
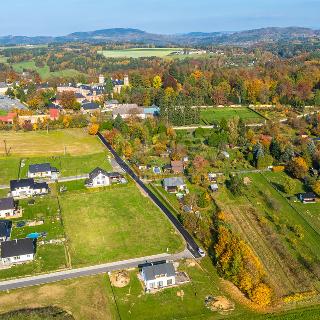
pixel 120 279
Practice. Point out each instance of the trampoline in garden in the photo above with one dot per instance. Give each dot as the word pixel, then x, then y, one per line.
pixel 156 170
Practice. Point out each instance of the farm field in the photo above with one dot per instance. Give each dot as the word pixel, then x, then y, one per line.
pixel 210 115
pixel 114 224
pixel 270 225
pixel 85 298
pixel 44 72
pixel 56 142
pixel 138 52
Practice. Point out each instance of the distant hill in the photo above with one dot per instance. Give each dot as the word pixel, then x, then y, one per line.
pixel 129 35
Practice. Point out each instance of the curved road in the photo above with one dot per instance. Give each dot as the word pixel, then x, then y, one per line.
pixel 191 244
pixel 88 271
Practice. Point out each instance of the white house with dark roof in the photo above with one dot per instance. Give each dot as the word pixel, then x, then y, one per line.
pixel 42 170
pixel 101 178
pixel 17 251
pixel 7 208
pixel 25 188
pixel 90 107
pixel 158 275
pixel 98 178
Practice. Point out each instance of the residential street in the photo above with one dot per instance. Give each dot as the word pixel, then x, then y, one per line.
pixel 88 271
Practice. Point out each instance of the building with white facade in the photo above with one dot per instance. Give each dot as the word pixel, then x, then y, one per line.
pixel 158 275
pixel 25 188
pixel 7 207
pixel 17 251
pixel 42 170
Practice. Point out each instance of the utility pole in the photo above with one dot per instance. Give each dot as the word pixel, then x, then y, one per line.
pixel 6 150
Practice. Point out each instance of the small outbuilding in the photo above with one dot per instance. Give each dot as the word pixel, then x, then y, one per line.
pixel 308 197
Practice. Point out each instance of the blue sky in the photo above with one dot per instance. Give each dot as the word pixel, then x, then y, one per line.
pixel 60 17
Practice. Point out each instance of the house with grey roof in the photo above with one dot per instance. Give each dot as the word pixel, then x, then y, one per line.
pixel 17 251
pixel 158 275
pixel 128 110
pixel 174 184
pixel 25 188
pixel 7 207
pixel 101 178
pixel 90 107
pixel 43 170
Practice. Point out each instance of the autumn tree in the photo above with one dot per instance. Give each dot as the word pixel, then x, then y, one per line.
pixel 289 185
pixel 68 100
pixel 298 167
pixel 93 129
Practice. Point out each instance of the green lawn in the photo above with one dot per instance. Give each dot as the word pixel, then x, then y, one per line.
pixel 210 115
pixel 9 168
pixel 71 165
pixel 310 212
pixel 138 52
pixel 46 209
pixel 114 224
pixel 44 72
pixel 49 257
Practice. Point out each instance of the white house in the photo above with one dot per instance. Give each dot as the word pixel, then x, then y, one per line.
pixel 25 188
pixel 7 207
pixel 42 170
pixel 98 178
pixel 17 251
pixel 158 275
pixel 175 184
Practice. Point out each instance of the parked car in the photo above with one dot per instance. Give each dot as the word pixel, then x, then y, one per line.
pixel 201 252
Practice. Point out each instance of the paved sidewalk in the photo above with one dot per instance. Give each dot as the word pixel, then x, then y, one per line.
pixel 89 271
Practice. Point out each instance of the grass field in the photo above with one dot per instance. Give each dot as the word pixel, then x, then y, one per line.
pixel 54 143
pixel 210 115
pixel 138 52
pixel 267 222
pixel 310 212
pixel 113 224
pixel 85 298
pixel 44 72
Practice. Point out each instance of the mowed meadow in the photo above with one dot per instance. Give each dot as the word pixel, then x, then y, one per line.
pixel 139 52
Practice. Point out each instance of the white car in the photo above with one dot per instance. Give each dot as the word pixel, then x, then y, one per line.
pixel 201 252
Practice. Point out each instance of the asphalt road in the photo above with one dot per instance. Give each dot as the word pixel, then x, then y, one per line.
pixel 191 244
pixel 88 271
